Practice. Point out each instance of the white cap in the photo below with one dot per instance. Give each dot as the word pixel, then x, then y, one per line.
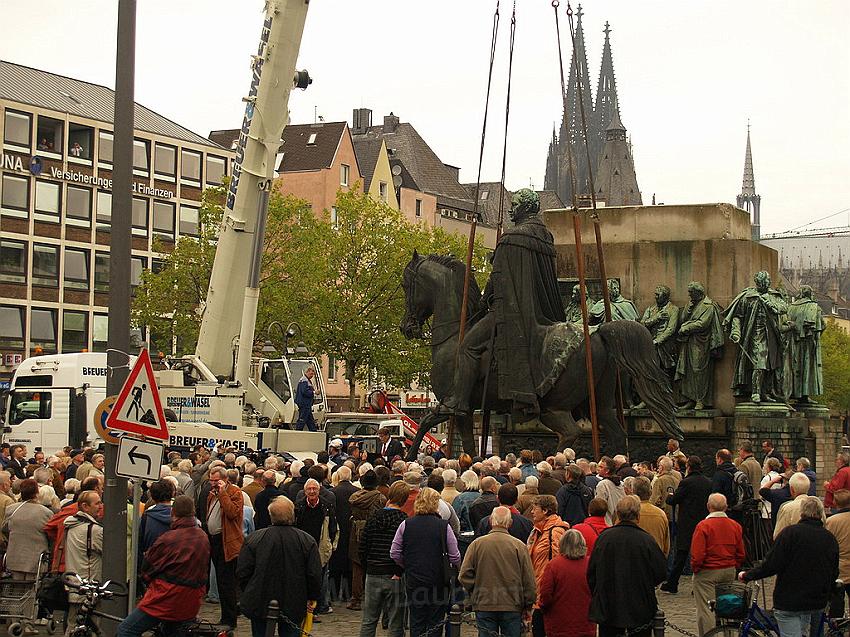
pixel 336 442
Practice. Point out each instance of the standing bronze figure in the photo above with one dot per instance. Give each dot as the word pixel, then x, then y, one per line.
pixel 700 341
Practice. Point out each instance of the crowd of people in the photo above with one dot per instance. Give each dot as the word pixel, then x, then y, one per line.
pixel 568 545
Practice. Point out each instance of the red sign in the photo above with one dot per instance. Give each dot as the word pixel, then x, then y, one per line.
pixel 138 409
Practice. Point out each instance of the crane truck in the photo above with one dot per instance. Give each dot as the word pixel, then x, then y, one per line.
pixel 56 400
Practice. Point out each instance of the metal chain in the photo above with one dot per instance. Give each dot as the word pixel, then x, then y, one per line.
pixel 292 624
pixel 684 632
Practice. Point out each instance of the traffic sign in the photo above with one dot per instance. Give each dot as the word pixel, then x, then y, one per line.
pixel 101 413
pixel 137 459
pixel 138 409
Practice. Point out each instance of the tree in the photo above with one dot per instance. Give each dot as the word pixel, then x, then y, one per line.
pixel 835 351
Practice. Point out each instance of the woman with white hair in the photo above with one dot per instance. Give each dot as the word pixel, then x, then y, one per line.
pixel 463 500
pixel 564 595
pixel 449 492
pixel 47 497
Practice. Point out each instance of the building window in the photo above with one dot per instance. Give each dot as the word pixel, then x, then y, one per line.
pixel 334 218
pixel 75 331
pixel 418 207
pixel 104 210
pixel 165 161
pixel 104 147
pixel 189 221
pixel 50 135
pixel 332 368
pixel 43 330
pixel 80 141
pixel 141 157
pixel 484 195
pixel 163 219
pixel 16 131
pixel 344 174
pixel 76 269
pixel 78 206
pixel 47 198
pixel 99 332
pixel 45 265
pixel 190 166
pixel 11 326
pixel 13 261
pixel 15 196
pixel 101 272
pixel 215 169
pixel 140 217
pixel 137 264
pixel 382 191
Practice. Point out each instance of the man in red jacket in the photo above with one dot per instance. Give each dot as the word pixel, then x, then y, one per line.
pixel 717 550
pixel 175 569
pixel 54 528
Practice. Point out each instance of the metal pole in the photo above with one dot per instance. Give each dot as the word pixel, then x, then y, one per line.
pixel 272 617
pixel 118 343
pixel 134 545
pixel 588 352
pixel 455 617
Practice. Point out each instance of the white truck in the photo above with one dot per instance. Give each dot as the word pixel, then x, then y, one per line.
pixel 52 398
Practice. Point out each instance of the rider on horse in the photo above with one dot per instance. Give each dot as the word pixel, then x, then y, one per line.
pixel 524 300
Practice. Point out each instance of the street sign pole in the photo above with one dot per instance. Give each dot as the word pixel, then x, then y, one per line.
pixel 134 545
pixel 115 491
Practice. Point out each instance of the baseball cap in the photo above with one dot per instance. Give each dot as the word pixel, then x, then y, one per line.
pixel 336 442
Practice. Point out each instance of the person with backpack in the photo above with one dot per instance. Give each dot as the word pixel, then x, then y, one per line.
pixel 573 497
pixel 732 483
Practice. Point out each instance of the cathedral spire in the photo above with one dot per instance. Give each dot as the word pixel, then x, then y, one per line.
pixel 579 73
pixel 606 94
pixel 616 181
pixel 748 199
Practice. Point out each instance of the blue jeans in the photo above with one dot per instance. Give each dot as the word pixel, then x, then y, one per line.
pixel 139 622
pixel 324 602
pixel 258 628
pixel 382 591
pixel 505 623
pixel 795 623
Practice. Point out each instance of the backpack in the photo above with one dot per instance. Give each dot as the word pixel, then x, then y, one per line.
pixel 742 490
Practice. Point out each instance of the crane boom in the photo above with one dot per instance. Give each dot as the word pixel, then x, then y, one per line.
pixel 266 115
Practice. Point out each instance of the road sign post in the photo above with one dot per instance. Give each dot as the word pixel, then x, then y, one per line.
pixel 138 409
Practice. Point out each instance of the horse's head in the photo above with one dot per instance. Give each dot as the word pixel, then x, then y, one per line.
pixel 417 308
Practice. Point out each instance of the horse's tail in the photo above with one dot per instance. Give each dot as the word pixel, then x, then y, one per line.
pixel 630 345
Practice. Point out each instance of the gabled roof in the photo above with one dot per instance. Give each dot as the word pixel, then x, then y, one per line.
pixel 42 89
pixel 308 147
pixel 367 150
pixel 425 167
pixel 549 200
pixel 488 201
pixel 227 138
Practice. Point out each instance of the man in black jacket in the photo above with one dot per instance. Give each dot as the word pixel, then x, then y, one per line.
pixel 520 525
pixel 625 567
pixel 389 448
pixel 264 499
pixel 266 555
pixel 574 497
pixel 691 498
pixel 805 562
pixel 486 502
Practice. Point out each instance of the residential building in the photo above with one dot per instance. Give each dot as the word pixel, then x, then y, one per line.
pixel 374 162
pixel 56 207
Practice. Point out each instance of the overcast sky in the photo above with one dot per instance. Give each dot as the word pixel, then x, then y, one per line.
pixel 689 75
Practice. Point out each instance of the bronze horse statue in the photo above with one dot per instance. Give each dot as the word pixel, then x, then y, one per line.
pixel 433 288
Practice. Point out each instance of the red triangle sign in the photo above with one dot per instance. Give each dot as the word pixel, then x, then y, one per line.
pixel 138 409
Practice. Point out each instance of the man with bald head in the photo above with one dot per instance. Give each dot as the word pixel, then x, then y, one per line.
pixel 486 502
pixel 717 551
pixel 264 498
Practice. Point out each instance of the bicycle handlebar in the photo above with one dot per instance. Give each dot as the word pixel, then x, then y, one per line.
pixel 106 590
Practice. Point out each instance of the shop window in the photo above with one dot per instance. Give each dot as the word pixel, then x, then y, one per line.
pixel 99 332
pixel 165 160
pixel 78 206
pixel 43 330
pixel 104 147
pixel 47 200
pixel 137 264
pixel 80 141
pixel 141 156
pixel 216 167
pixel 45 265
pixel 11 327
pixel 163 219
pixel 75 331
pixel 76 269
pixel 49 135
pixel 190 166
pixel 101 272
pixel 13 261
pixel 140 217
pixel 104 210
pixel 15 196
pixel 16 131
pixel 190 224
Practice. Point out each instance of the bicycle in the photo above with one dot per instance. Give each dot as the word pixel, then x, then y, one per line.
pixel 760 623
pixel 92 592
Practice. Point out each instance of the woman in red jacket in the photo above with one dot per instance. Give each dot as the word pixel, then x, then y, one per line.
pixel 564 595
pixel 594 523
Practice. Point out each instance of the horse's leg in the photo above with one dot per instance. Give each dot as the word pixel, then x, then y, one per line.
pixel 464 423
pixel 606 413
pixel 562 423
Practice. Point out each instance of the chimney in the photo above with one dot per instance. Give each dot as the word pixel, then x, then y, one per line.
pixel 390 123
pixel 361 120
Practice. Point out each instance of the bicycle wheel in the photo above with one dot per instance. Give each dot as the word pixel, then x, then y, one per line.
pixel 724 631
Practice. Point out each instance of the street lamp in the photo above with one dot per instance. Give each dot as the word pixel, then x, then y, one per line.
pixel 291 330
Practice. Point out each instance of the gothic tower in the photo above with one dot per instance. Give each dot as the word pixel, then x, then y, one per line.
pixel 616 182
pixel 748 199
pixel 606 97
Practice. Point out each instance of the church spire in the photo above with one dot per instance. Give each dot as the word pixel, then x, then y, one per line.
pixel 748 199
pixel 579 73
pixel 606 94
pixel 616 181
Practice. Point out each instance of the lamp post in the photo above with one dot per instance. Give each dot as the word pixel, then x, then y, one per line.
pixel 291 330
